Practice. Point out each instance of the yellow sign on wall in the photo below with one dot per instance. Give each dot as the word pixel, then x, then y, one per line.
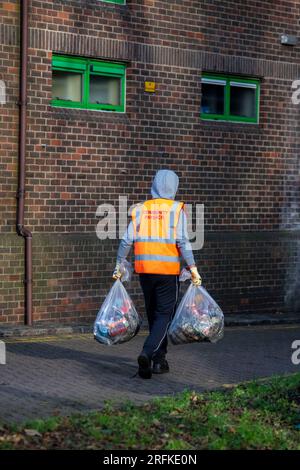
pixel 150 87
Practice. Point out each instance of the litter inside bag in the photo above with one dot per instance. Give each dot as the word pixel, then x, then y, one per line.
pixel 117 320
pixel 197 318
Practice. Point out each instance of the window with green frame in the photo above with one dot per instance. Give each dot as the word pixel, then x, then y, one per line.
pixel 230 98
pixel 88 84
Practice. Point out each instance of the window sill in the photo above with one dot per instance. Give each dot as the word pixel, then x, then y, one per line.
pixel 231 125
pixel 94 115
pixel 97 110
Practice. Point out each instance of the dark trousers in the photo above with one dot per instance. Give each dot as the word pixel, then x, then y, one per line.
pixel 161 296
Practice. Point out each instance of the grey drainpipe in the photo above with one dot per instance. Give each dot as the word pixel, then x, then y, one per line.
pixel 21 229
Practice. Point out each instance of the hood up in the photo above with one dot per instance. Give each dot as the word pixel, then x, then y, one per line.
pixel 165 185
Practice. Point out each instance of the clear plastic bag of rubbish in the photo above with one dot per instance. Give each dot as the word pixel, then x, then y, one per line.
pixel 126 270
pixel 117 320
pixel 197 318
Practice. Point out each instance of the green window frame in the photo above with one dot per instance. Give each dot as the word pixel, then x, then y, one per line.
pixel 88 68
pixel 228 82
pixel 120 2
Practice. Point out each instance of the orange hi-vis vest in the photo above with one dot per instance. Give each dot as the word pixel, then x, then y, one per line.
pixel 154 228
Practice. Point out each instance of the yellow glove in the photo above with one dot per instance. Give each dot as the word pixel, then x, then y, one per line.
pixel 117 274
pixel 196 278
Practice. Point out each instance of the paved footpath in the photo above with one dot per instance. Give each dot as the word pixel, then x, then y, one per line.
pixel 62 375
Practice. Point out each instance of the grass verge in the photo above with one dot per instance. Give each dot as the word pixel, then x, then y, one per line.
pixel 257 415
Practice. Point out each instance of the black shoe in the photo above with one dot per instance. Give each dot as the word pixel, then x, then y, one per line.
pixel 144 363
pixel 161 367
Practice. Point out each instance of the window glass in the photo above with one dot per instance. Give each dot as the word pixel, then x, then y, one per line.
pixel 212 98
pixel 66 86
pixel 105 90
pixel 242 100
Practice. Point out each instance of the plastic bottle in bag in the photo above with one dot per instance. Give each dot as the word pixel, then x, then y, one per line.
pixel 197 318
pixel 117 320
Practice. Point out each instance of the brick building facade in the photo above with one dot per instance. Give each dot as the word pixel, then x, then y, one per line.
pixel 246 174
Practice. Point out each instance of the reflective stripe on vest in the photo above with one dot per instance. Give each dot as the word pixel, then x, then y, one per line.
pixel 154 225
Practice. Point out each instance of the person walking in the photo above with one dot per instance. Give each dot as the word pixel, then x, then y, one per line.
pixel 158 230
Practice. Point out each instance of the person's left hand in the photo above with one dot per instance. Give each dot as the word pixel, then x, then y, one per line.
pixel 117 272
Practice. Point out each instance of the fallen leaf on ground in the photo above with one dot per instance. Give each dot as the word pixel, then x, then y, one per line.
pixel 32 433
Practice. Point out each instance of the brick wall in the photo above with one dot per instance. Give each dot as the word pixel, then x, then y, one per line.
pixel 246 175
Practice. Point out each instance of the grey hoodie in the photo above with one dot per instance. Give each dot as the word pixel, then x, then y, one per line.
pixel 164 186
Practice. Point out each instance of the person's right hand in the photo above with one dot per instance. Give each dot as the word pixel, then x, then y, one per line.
pixel 117 272
pixel 196 278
